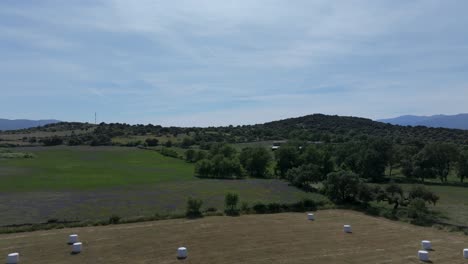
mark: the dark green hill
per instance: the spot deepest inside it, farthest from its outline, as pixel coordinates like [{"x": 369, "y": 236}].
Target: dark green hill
[{"x": 316, "y": 127}]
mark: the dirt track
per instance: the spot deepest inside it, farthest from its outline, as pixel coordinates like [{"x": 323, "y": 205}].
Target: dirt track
[{"x": 279, "y": 238}]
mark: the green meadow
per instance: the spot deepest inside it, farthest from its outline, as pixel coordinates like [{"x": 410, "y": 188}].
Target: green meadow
[
  {"x": 85, "y": 168},
  {"x": 93, "y": 183}
]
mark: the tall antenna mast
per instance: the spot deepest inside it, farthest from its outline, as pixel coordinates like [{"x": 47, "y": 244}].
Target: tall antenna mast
[{"x": 95, "y": 118}]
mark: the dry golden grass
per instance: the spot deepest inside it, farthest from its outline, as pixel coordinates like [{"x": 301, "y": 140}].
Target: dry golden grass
[{"x": 279, "y": 238}]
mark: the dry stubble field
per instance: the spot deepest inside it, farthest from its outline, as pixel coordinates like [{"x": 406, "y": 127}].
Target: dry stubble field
[{"x": 278, "y": 238}]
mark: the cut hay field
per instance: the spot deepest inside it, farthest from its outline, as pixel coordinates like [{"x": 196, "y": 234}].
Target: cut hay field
[
  {"x": 250, "y": 239},
  {"x": 93, "y": 183}
]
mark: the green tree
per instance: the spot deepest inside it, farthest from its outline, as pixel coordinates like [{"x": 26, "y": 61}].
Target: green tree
[
  {"x": 52, "y": 141},
  {"x": 393, "y": 194},
  {"x": 374, "y": 159},
  {"x": 222, "y": 149},
  {"x": 168, "y": 144},
  {"x": 224, "y": 167},
  {"x": 190, "y": 155},
  {"x": 421, "y": 192},
  {"x": 342, "y": 186},
  {"x": 320, "y": 158},
  {"x": 193, "y": 208},
  {"x": 204, "y": 168},
  {"x": 187, "y": 142},
  {"x": 287, "y": 157},
  {"x": 437, "y": 158},
  {"x": 255, "y": 161},
  {"x": 152, "y": 142},
  {"x": 394, "y": 157},
  {"x": 304, "y": 176},
  {"x": 462, "y": 166},
  {"x": 230, "y": 202}
]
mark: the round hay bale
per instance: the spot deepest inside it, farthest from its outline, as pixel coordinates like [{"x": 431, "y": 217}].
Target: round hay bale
[
  {"x": 72, "y": 239},
  {"x": 426, "y": 244},
  {"x": 76, "y": 247},
  {"x": 310, "y": 216},
  {"x": 423, "y": 255},
  {"x": 465, "y": 253},
  {"x": 12, "y": 258},
  {"x": 347, "y": 229},
  {"x": 182, "y": 253}
]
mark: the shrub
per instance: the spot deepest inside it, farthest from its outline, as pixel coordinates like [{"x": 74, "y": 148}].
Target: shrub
[
  {"x": 211, "y": 209},
  {"x": 230, "y": 202},
  {"x": 152, "y": 142},
  {"x": 114, "y": 219},
  {"x": 418, "y": 211},
  {"x": 245, "y": 207},
  {"x": 274, "y": 208},
  {"x": 260, "y": 208},
  {"x": 169, "y": 153},
  {"x": 193, "y": 208},
  {"x": 52, "y": 141}
]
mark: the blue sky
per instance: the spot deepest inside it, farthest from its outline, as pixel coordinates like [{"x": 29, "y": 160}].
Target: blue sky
[{"x": 200, "y": 63}]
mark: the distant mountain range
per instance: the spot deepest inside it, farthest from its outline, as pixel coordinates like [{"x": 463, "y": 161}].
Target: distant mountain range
[
  {"x": 7, "y": 124},
  {"x": 459, "y": 121}
]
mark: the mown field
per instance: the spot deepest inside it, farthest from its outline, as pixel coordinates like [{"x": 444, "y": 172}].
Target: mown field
[
  {"x": 250, "y": 239},
  {"x": 93, "y": 183}
]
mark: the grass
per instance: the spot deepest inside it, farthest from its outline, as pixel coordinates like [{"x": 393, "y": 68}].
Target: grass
[
  {"x": 453, "y": 203},
  {"x": 278, "y": 238},
  {"x": 93, "y": 183},
  {"x": 86, "y": 168}
]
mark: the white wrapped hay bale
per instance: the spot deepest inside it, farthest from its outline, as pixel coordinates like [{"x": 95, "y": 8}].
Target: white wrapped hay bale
[
  {"x": 182, "y": 253},
  {"x": 76, "y": 247},
  {"x": 310, "y": 216},
  {"x": 72, "y": 239},
  {"x": 347, "y": 229},
  {"x": 12, "y": 258},
  {"x": 426, "y": 245},
  {"x": 465, "y": 253},
  {"x": 423, "y": 255}
]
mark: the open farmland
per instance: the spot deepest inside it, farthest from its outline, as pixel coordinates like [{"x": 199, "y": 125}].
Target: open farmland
[
  {"x": 453, "y": 203},
  {"x": 90, "y": 183},
  {"x": 279, "y": 238}
]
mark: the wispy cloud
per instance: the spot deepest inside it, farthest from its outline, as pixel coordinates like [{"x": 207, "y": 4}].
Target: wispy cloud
[{"x": 233, "y": 62}]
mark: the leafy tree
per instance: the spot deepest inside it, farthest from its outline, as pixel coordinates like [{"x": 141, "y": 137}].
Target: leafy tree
[
  {"x": 365, "y": 193},
  {"x": 52, "y": 141},
  {"x": 204, "y": 168},
  {"x": 199, "y": 155},
  {"x": 393, "y": 194},
  {"x": 304, "y": 175},
  {"x": 437, "y": 158},
  {"x": 287, "y": 157},
  {"x": 222, "y": 149},
  {"x": 255, "y": 161},
  {"x": 418, "y": 210},
  {"x": 394, "y": 157},
  {"x": 421, "y": 192},
  {"x": 320, "y": 158},
  {"x": 226, "y": 167},
  {"x": 152, "y": 142},
  {"x": 230, "y": 201},
  {"x": 374, "y": 159},
  {"x": 190, "y": 155},
  {"x": 462, "y": 166},
  {"x": 168, "y": 144},
  {"x": 193, "y": 208},
  {"x": 342, "y": 186},
  {"x": 187, "y": 142}
]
